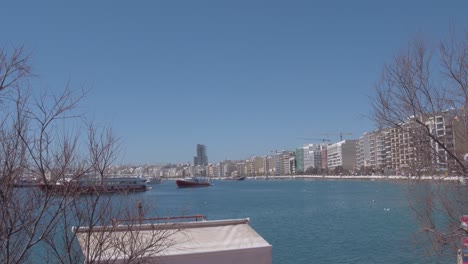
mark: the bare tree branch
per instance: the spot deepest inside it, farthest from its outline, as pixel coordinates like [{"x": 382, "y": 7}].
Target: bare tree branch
[
  {"x": 40, "y": 139},
  {"x": 422, "y": 96}
]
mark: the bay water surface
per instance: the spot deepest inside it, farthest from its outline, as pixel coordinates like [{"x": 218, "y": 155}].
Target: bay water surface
[{"x": 309, "y": 221}]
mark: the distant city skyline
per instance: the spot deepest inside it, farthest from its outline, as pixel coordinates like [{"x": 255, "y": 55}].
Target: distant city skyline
[{"x": 243, "y": 77}]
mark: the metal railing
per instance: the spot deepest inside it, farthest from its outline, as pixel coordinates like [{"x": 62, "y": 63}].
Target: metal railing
[{"x": 166, "y": 219}]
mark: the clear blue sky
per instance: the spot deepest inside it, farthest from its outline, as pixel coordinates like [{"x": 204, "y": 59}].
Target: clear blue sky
[{"x": 241, "y": 77}]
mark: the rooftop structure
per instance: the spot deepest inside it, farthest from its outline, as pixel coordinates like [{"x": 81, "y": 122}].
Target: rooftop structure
[{"x": 199, "y": 242}]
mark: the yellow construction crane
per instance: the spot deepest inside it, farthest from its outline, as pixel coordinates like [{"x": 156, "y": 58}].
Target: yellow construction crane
[{"x": 341, "y": 134}]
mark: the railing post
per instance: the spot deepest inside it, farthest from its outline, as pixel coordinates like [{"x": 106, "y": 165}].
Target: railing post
[{"x": 140, "y": 212}]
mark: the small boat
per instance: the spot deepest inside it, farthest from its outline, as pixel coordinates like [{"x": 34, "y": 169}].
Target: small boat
[
  {"x": 154, "y": 180},
  {"x": 237, "y": 178},
  {"x": 193, "y": 182},
  {"x": 24, "y": 182},
  {"x": 91, "y": 185}
]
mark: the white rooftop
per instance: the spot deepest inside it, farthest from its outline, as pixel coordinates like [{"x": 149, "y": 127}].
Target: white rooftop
[{"x": 203, "y": 242}]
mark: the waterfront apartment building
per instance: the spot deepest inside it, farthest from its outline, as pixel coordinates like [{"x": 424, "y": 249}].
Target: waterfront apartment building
[
  {"x": 363, "y": 151},
  {"x": 300, "y": 160},
  {"x": 241, "y": 169},
  {"x": 460, "y": 137},
  {"x": 284, "y": 163},
  {"x": 292, "y": 164},
  {"x": 270, "y": 168},
  {"x": 373, "y": 150},
  {"x": 412, "y": 149},
  {"x": 324, "y": 158},
  {"x": 218, "y": 169},
  {"x": 384, "y": 151},
  {"x": 314, "y": 156},
  {"x": 309, "y": 156},
  {"x": 258, "y": 166},
  {"x": 446, "y": 128},
  {"x": 199, "y": 170},
  {"x": 249, "y": 169},
  {"x": 228, "y": 168},
  {"x": 221, "y": 169},
  {"x": 255, "y": 166},
  {"x": 408, "y": 148},
  {"x": 277, "y": 162},
  {"x": 342, "y": 154},
  {"x": 444, "y": 133},
  {"x": 211, "y": 170}
]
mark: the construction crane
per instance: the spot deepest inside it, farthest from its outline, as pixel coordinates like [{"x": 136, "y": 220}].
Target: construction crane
[
  {"x": 317, "y": 139},
  {"x": 341, "y": 134}
]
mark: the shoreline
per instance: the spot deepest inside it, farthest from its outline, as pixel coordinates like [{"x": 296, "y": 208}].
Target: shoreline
[
  {"x": 348, "y": 177},
  {"x": 367, "y": 177}
]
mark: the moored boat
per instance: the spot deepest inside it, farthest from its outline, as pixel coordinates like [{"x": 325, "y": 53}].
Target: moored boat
[
  {"x": 23, "y": 182},
  {"x": 97, "y": 185},
  {"x": 236, "y": 178},
  {"x": 154, "y": 180},
  {"x": 193, "y": 182}
]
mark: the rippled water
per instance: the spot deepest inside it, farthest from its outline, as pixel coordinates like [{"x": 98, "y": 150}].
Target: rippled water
[{"x": 309, "y": 221}]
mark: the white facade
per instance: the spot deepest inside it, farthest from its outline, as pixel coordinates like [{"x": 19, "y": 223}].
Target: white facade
[
  {"x": 313, "y": 155},
  {"x": 284, "y": 163},
  {"x": 363, "y": 151},
  {"x": 342, "y": 154}
]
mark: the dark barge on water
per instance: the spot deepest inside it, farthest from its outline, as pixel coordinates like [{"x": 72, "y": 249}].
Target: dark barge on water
[
  {"x": 193, "y": 182},
  {"x": 90, "y": 185}
]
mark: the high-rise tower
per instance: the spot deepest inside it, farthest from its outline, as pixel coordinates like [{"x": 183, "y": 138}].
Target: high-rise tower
[{"x": 201, "y": 159}]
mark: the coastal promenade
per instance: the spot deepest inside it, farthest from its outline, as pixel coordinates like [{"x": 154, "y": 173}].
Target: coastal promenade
[
  {"x": 358, "y": 177},
  {"x": 349, "y": 177}
]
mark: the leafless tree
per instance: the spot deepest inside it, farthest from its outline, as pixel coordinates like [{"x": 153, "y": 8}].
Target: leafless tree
[
  {"x": 129, "y": 240},
  {"x": 103, "y": 149},
  {"x": 110, "y": 229},
  {"x": 40, "y": 138},
  {"x": 417, "y": 88},
  {"x": 13, "y": 68}
]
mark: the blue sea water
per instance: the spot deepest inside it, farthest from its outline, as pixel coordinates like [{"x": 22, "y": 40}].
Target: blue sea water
[{"x": 309, "y": 221}]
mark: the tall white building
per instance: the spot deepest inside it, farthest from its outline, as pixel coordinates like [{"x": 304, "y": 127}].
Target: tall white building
[
  {"x": 284, "y": 163},
  {"x": 313, "y": 155},
  {"x": 363, "y": 150},
  {"x": 342, "y": 154},
  {"x": 219, "y": 171}
]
